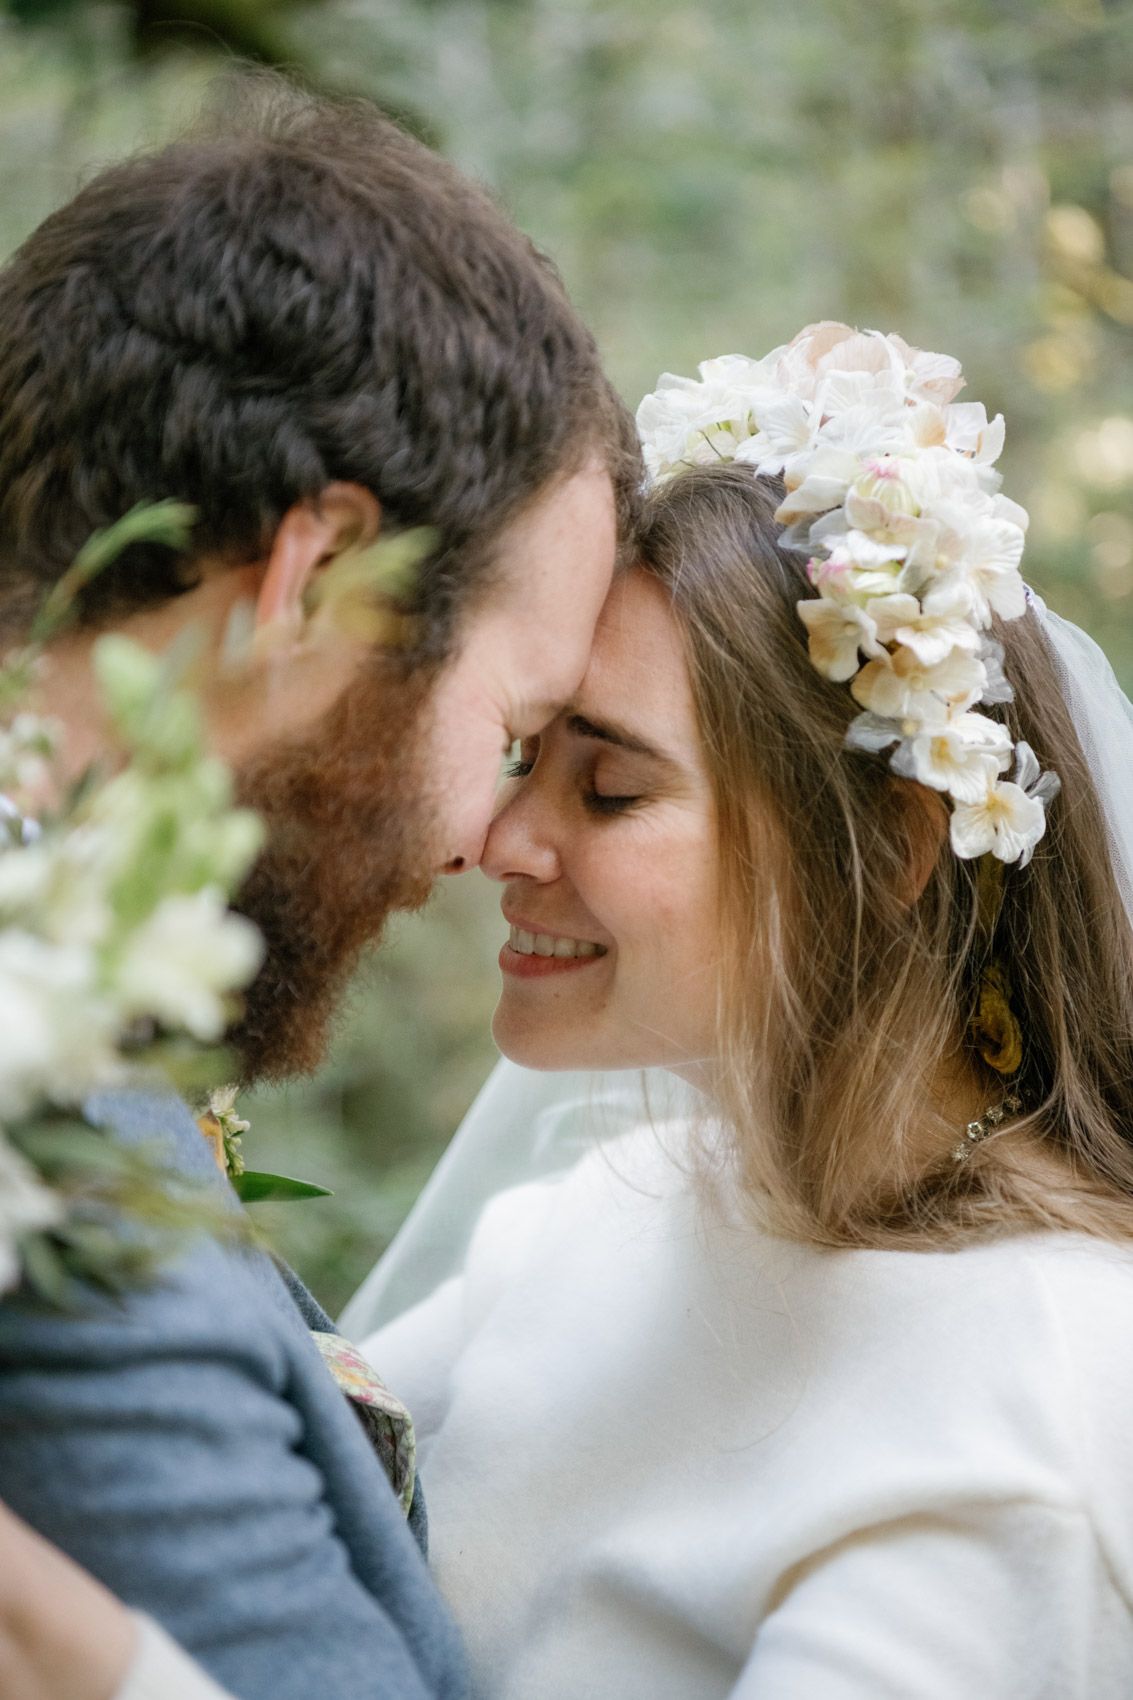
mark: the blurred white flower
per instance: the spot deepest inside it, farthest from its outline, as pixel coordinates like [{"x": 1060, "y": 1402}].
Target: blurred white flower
[
  {"x": 26, "y": 748},
  {"x": 58, "y": 1032},
  {"x": 56, "y": 886},
  {"x": 112, "y": 908},
  {"x": 26, "y": 1207},
  {"x": 183, "y": 964}
]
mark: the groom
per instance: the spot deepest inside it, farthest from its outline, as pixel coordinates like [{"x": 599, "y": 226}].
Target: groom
[{"x": 310, "y": 327}]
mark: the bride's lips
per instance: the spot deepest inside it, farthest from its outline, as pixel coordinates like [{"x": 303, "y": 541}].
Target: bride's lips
[{"x": 532, "y": 953}]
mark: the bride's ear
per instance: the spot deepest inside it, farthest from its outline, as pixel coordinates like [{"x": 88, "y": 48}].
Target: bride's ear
[
  {"x": 925, "y": 816},
  {"x": 310, "y": 535}
]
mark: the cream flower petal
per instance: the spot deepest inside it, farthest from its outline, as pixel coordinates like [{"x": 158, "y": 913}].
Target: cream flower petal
[
  {"x": 930, "y": 377},
  {"x": 182, "y": 964},
  {"x": 901, "y": 687},
  {"x": 836, "y": 633},
  {"x": 831, "y": 473},
  {"x": 971, "y": 433},
  {"x": 785, "y": 429},
  {"x": 931, "y": 631},
  {"x": 890, "y": 613},
  {"x": 962, "y": 757},
  {"x": 1005, "y": 822}
]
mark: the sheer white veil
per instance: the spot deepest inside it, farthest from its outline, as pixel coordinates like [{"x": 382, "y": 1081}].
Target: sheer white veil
[
  {"x": 1103, "y": 718},
  {"x": 527, "y": 1126},
  {"x": 523, "y": 1126}
]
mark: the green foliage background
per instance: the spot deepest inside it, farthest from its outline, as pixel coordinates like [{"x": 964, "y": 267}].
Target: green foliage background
[{"x": 708, "y": 178}]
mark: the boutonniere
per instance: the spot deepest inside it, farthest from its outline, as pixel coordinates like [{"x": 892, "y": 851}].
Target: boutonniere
[{"x": 225, "y": 1130}]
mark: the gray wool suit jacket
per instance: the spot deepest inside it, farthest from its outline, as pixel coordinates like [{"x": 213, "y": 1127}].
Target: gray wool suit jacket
[{"x": 189, "y": 1447}]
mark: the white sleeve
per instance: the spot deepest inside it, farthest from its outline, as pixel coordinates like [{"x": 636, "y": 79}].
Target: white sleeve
[
  {"x": 161, "y": 1670},
  {"x": 1009, "y": 1601}
]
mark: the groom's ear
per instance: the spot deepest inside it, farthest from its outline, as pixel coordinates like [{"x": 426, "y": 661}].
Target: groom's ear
[{"x": 310, "y": 535}]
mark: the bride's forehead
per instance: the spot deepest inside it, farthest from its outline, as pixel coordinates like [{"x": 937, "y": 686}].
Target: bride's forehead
[
  {"x": 637, "y": 618},
  {"x": 638, "y": 665}
]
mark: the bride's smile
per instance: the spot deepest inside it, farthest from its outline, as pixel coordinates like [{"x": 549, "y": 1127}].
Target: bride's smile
[{"x": 605, "y": 844}]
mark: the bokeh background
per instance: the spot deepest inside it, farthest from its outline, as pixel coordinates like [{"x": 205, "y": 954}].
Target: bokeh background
[{"x": 709, "y": 178}]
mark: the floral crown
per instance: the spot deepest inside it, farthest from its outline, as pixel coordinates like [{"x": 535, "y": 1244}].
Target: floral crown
[{"x": 892, "y": 489}]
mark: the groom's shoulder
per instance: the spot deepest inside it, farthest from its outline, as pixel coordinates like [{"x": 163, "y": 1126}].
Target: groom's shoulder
[
  {"x": 161, "y": 1121},
  {"x": 210, "y": 1302},
  {"x": 186, "y": 1444}
]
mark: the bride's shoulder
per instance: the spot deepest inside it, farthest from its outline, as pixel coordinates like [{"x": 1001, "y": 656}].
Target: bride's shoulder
[
  {"x": 1033, "y": 1328},
  {"x": 1049, "y": 1283},
  {"x": 1085, "y": 1284}
]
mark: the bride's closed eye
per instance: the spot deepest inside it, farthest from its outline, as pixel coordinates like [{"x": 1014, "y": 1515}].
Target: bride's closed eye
[{"x": 597, "y": 802}]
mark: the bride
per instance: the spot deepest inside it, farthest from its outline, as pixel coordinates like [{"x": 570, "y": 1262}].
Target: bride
[
  {"x": 820, "y": 1384},
  {"x": 807, "y": 1373}
]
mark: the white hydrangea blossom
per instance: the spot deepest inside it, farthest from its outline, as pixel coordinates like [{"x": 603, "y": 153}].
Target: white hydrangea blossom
[{"x": 891, "y": 485}]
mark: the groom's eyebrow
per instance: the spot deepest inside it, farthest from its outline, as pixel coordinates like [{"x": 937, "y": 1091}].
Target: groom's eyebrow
[{"x": 610, "y": 733}]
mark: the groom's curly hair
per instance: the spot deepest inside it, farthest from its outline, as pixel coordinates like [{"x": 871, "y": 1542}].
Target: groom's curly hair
[{"x": 295, "y": 292}]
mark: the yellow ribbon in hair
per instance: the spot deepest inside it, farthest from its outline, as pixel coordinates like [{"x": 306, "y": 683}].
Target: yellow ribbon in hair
[{"x": 996, "y": 1031}]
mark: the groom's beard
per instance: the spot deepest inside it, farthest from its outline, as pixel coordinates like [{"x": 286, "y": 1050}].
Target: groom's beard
[{"x": 350, "y": 840}]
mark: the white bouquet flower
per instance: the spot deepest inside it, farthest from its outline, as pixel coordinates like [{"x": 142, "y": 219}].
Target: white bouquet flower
[
  {"x": 119, "y": 958},
  {"x": 121, "y": 962}
]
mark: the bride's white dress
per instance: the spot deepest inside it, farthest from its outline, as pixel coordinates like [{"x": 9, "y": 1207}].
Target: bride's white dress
[{"x": 670, "y": 1457}]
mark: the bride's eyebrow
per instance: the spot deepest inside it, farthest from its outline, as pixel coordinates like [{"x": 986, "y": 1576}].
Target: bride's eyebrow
[{"x": 610, "y": 733}]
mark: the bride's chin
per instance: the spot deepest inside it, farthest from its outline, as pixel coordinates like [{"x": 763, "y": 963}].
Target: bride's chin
[
  {"x": 535, "y": 1044},
  {"x": 519, "y": 1043}
]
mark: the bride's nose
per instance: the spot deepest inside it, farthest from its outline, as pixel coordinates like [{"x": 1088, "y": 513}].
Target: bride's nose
[{"x": 521, "y": 841}]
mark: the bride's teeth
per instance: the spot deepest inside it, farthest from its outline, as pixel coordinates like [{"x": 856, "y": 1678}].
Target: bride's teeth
[{"x": 543, "y": 944}]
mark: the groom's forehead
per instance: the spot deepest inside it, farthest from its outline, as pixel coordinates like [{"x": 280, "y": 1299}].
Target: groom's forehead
[{"x": 553, "y": 571}]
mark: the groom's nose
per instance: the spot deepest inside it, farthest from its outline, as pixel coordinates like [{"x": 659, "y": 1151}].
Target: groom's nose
[{"x": 464, "y": 847}]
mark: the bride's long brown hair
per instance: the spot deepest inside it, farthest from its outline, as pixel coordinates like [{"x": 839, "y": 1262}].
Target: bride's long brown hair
[{"x": 843, "y": 995}]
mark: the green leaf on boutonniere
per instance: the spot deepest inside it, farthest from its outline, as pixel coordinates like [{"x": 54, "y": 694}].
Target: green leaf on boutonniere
[{"x": 254, "y": 1187}]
